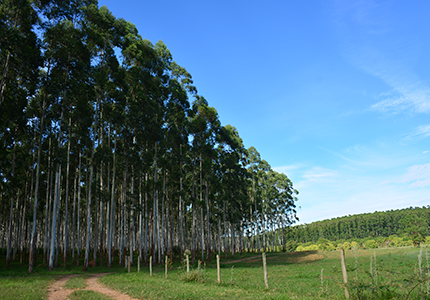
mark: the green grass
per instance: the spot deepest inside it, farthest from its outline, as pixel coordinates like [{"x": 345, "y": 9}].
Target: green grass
[
  {"x": 291, "y": 276},
  {"x": 87, "y": 295},
  {"x": 77, "y": 282},
  {"x": 24, "y": 287}
]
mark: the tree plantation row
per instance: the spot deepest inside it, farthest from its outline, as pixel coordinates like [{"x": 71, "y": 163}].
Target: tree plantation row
[
  {"x": 102, "y": 153},
  {"x": 413, "y": 222}
]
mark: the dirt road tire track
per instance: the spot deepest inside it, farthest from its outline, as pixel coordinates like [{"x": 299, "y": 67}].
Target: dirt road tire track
[{"x": 57, "y": 291}]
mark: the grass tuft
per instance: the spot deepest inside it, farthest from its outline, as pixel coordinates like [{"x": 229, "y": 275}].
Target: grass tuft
[
  {"x": 77, "y": 282},
  {"x": 88, "y": 295}
]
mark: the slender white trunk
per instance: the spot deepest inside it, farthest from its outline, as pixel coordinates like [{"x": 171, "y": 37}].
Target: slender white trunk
[
  {"x": 36, "y": 194},
  {"x": 101, "y": 215},
  {"x": 140, "y": 220},
  {"x": 162, "y": 243},
  {"x": 74, "y": 217},
  {"x": 145, "y": 235},
  {"x": 225, "y": 232},
  {"x": 79, "y": 209},
  {"x": 193, "y": 229},
  {"x": 202, "y": 248},
  {"x": 9, "y": 243},
  {"x": 180, "y": 228},
  {"x": 112, "y": 208},
  {"x": 87, "y": 247},
  {"x": 3, "y": 78},
  {"x": 208, "y": 229},
  {"x": 67, "y": 196},
  {"x": 132, "y": 218},
  {"x": 54, "y": 217},
  {"x": 155, "y": 209},
  {"x": 48, "y": 206},
  {"x": 202, "y": 224}
]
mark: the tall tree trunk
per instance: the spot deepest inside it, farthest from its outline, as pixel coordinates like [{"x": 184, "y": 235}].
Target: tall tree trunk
[
  {"x": 36, "y": 193},
  {"x": 132, "y": 217},
  {"x": 54, "y": 217},
  {"x": 3, "y": 78},
  {"x": 123, "y": 193},
  {"x": 9, "y": 242},
  {"x": 112, "y": 205},
  {"x": 67, "y": 195},
  {"x": 145, "y": 235},
  {"x": 193, "y": 229},
  {"x": 225, "y": 232},
  {"x": 87, "y": 247},
  {"x": 202, "y": 225},
  {"x": 208, "y": 229},
  {"x": 101, "y": 215},
  {"x": 79, "y": 209},
  {"x": 74, "y": 215},
  {"x": 155, "y": 209},
  {"x": 180, "y": 227},
  {"x": 140, "y": 220},
  {"x": 162, "y": 242},
  {"x": 48, "y": 208}
]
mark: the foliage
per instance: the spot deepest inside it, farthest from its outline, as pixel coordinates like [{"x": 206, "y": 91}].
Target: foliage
[
  {"x": 103, "y": 136},
  {"x": 412, "y": 221},
  {"x": 415, "y": 227}
]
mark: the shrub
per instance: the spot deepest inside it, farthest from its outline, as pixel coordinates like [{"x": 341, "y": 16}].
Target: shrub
[
  {"x": 370, "y": 244},
  {"x": 291, "y": 246}
]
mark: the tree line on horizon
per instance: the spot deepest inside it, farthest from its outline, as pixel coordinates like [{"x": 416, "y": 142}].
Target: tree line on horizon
[
  {"x": 413, "y": 222},
  {"x": 106, "y": 148}
]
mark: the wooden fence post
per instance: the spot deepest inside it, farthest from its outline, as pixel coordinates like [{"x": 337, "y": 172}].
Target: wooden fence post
[
  {"x": 188, "y": 264},
  {"x": 150, "y": 265},
  {"x": 345, "y": 275},
  {"x": 218, "y": 268},
  {"x": 266, "y": 280},
  {"x": 165, "y": 265}
]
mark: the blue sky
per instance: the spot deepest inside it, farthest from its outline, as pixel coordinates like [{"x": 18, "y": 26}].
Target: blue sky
[{"x": 336, "y": 94}]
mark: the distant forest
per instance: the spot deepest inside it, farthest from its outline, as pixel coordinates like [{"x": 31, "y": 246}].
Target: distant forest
[{"x": 370, "y": 225}]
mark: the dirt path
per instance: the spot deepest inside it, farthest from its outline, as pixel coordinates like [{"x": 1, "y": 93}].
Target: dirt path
[
  {"x": 57, "y": 292},
  {"x": 254, "y": 258}
]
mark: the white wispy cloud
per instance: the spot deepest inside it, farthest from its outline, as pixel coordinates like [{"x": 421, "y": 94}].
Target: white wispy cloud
[
  {"x": 370, "y": 39},
  {"x": 416, "y": 101},
  {"x": 361, "y": 179},
  {"x": 417, "y": 176},
  {"x": 286, "y": 169},
  {"x": 318, "y": 174},
  {"x": 419, "y": 133}
]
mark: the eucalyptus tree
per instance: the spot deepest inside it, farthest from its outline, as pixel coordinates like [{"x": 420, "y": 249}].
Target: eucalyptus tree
[
  {"x": 205, "y": 125},
  {"x": 105, "y": 33},
  {"x": 95, "y": 113},
  {"x": 234, "y": 179},
  {"x": 20, "y": 57}
]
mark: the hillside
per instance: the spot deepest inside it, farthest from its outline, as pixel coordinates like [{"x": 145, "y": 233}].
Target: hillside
[{"x": 377, "y": 224}]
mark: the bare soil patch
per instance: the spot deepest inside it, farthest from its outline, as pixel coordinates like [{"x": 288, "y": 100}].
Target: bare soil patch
[
  {"x": 57, "y": 292},
  {"x": 251, "y": 259},
  {"x": 298, "y": 259}
]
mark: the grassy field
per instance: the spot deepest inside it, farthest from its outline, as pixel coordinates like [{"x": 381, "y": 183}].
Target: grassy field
[
  {"x": 380, "y": 274},
  {"x": 390, "y": 273}
]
